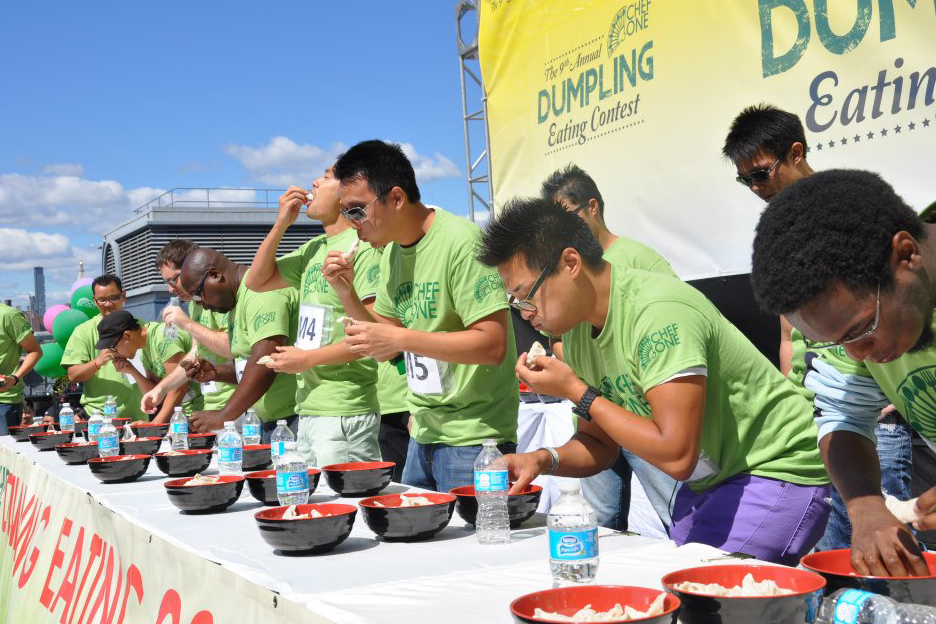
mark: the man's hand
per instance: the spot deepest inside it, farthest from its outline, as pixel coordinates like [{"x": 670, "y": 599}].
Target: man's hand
[
  {"x": 288, "y": 360},
  {"x": 6, "y": 382},
  {"x": 290, "y": 203},
  {"x": 553, "y": 377},
  {"x": 123, "y": 365},
  {"x": 881, "y": 544},
  {"x": 152, "y": 400},
  {"x": 206, "y": 421},
  {"x": 199, "y": 369},
  {"x": 926, "y": 509},
  {"x": 174, "y": 315},
  {"x": 338, "y": 272},
  {"x": 522, "y": 468},
  {"x": 377, "y": 340},
  {"x": 104, "y": 357}
]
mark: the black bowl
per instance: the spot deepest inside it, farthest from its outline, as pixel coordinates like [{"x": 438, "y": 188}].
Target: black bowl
[
  {"x": 569, "y": 600},
  {"x": 308, "y": 536},
  {"x": 48, "y": 441},
  {"x": 520, "y": 507},
  {"x": 359, "y": 478},
  {"x": 201, "y": 440},
  {"x": 189, "y": 464},
  {"x": 697, "y": 608},
  {"x": 73, "y": 453},
  {"x": 140, "y": 446},
  {"x": 256, "y": 457},
  {"x": 395, "y": 523},
  {"x": 150, "y": 430},
  {"x": 119, "y": 468},
  {"x": 205, "y": 498},
  {"x": 21, "y": 433},
  {"x": 262, "y": 485},
  {"x": 835, "y": 567}
]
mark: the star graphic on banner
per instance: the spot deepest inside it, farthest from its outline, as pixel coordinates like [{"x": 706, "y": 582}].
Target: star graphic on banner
[
  {"x": 831, "y": 144},
  {"x": 896, "y": 129},
  {"x": 819, "y": 146},
  {"x": 883, "y": 131},
  {"x": 925, "y": 123},
  {"x": 857, "y": 138},
  {"x": 911, "y": 125},
  {"x": 870, "y": 135},
  {"x": 844, "y": 141}
]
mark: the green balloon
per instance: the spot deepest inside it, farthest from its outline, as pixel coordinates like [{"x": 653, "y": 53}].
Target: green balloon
[
  {"x": 83, "y": 300},
  {"x": 65, "y": 323},
  {"x": 50, "y": 364}
]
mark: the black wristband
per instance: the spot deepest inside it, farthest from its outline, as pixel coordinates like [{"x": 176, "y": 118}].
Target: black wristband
[
  {"x": 584, "y": 404},
  {"x": 16, "y": 377}
]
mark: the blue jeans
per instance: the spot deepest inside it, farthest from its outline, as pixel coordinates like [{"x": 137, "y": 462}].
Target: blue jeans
[
  {"x": 660, "y": 487},
  {"x": 441, "y": 467},
  {"x": 895, "y": 452},
  {"x": 11, "y": 414}
]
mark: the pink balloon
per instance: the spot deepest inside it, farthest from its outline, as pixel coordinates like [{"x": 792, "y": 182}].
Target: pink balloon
[
  {"x": 81, "y": 281},
  {"x": 51, "y": 313}
]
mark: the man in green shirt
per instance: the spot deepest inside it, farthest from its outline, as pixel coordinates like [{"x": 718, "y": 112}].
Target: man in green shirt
[
  {"x": 446, "y": 312},
  {"x": 15, "y": 335},
  {"x": 851, "y": 266},
  {"x": 682, "y": 388},
  {"x": 259, "y": 323}
]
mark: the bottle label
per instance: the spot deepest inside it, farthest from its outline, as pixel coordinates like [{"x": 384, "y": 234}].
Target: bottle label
[
  {"x": 251, "y": 431},
  {"x": 573, "y": 545},
  {"x": 94, "y": 428},
  {"x": 230, "y": 454},
  {"x": 277, "y": 449},
  {"x": 848, "y": 606},
  {"x": 66, "y": 419},
  {"x": 291, "y": 482},
  {"x": 178, "y": 428},
  {"x": 107, "y": 443},
  {"x": 491, "y": 480}
]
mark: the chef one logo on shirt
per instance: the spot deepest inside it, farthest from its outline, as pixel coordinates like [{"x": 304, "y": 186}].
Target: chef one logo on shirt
[
  {"x": 263, "y": 319},
  {"x": 918, "y": 391},
  {"x": 314, "y": 281},
  {"x": 625, "y": 393},
  {"x": 415, "y": 300},
  {"x": 485, "y": 285},
  {"x": 373, "y": 273},
  {"x": 656, "y": 343}
]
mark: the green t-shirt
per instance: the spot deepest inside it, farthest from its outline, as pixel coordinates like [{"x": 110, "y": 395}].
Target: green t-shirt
[
  {"x": 755, "y": 421},
  {"x": 157, "y": 351},
  {"x": 257, "y": 316},
  {"x": 578, "y": 351},
  {"x": 348, "y": 389},
  {"x": 80, "y": 350},
  {"x": 391, "y": 389},
  {"x": 437, "y": 285},
  {"x": 14, "y": 329},
  {"x": 835, "y": 356},
  {"x": 216, "y": 321}
]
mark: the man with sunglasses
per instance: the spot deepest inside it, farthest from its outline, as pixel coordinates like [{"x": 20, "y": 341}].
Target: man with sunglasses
[
  {"x": 436, "y": 304},
  {"x": 681, "y": 387},
  {"x": 844, "y": 258},
  {"x": 760, "y": 135}
]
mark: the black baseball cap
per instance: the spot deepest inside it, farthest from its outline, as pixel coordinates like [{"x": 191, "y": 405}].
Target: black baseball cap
[{"x": 113, "y": 327}]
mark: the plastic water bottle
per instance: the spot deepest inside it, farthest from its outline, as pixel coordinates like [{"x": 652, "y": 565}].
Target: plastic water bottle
[
  {"x": 110, "y": 407},
  {"x": 178, "y": 430},
  {"x": 95, "y": 422},
  {"x": 292, "y": 477},
  {"x": 108, "y": 442},
  {"x": 250, "y": 428},
  {"x": 856, "y": 606},
  {"x": 281, "y": 435},
  {"x": 491, "y": 485},
  {"x": 66, "y": 418},
  {"x": 573, "y": 537},
  {"x": 230, "y": 450},
  {"x": 170, "y": 332}
]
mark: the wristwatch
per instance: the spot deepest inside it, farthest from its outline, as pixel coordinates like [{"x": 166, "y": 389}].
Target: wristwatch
[
  {"x": 584, "y": 404},
  {"x": 14, "y": 377}
]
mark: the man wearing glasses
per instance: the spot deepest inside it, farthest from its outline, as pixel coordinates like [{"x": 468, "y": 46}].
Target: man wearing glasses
[
  {"x": 337, "y": 390},
  {"x": 438, "y": 306},
  {"x": 764, "y": 134},
  {"x": 850, "y": 265},
  {"x": 681, "y": 387}
]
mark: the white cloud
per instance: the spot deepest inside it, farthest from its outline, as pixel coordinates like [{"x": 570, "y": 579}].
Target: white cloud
[
  {"x": 430, "y": 168},
  {"x": 64, "y": 169}
]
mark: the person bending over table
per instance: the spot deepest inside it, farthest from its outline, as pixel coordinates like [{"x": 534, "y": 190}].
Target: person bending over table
[
  {"x": 682, "y": 388},
  {"x": 15, "y": 335}
]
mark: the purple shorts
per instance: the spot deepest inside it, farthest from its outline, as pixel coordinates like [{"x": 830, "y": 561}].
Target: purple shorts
[{"x": 772, "y": 520}]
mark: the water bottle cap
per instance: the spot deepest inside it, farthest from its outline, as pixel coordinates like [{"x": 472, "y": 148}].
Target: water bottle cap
[
  {"x": 280, "y": 423},
  {"x": 229, "y": 424},
  {"x": 490, "y": 442},
  {"x": 571, "y": 485}
]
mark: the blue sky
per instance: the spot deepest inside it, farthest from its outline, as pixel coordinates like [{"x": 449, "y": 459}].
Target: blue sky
[{"x": 106, "y": 104}]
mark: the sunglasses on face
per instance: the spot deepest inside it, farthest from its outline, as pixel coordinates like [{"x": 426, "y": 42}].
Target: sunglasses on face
[
  {"x": 359, "y": 213},
  {"x": 197, "y": 293},
  {"x": 757, "y": 176}
]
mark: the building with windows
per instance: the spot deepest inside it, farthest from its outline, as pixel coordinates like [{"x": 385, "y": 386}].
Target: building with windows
[{"x": 39, "y": 284}]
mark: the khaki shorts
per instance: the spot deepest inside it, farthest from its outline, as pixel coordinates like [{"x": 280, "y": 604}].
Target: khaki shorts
[{"x": 325, "y": 440}]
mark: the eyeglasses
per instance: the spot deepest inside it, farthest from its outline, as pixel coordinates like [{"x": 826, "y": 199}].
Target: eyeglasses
[
  {"x": 106, "y": 300},
  {"x": 357, "y": 213},
  {"x": 525, "y": 305},
  {"x": 758, "y": 175},
  {"x": 174, "y": 280},
  {"x": 197, "y": 293},
  {"x": 852, "y": 339}
]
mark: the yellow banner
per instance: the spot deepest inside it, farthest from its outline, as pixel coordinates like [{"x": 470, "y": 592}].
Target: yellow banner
[{"x": 641, "y": 95}]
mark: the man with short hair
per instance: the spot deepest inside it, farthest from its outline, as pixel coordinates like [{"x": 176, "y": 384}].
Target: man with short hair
[
  {"x": 608, "y": 492},
  {"x": 844, "y": 258},
  {"x": 762, "y": 135},
  {"x": 682, "y": 388},
  {"x": 446, "y": 312},
  {"x": 15, "y": 336}
]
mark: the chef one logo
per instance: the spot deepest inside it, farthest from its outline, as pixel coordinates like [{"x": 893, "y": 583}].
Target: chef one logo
[
  {"x": 85, "y": 302},
  {"x": 314, "y": 281},
  {"x": 485, "y": 285},
  {"x": 263, "y": 319},
  {"x": 373, "y": 273},
  {"x": 918, "y": 391}
]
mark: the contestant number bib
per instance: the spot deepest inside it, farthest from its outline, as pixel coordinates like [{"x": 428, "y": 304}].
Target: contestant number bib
[
  {"x": 209, "y": 387},
  {"x": 311, "y": 326},
  {"x": 422, "y": 374},
  {"x": 239, "y": 366}
]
